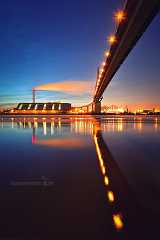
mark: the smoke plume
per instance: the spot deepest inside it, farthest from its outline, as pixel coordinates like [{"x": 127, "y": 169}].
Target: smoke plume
[{"x": 69, "y": 87}]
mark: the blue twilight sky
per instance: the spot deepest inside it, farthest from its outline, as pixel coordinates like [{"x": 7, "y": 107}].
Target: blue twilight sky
[{"x": 58, "y": 41}]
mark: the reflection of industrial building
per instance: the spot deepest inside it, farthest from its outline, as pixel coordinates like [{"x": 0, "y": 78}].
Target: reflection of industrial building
[{"x": 51, "y": 107}]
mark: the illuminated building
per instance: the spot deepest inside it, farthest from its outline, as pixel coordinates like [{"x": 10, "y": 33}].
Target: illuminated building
[
  {"x": 145, "y": 111},
  {"x": 42, "y": 108},
  {"x": 114, "y": 109}
]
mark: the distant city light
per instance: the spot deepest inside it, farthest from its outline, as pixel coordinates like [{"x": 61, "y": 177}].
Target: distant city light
[{"x": 112, "y": 39}]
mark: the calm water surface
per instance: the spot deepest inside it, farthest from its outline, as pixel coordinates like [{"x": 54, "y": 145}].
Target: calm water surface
[{"x": 84, "y": 177}]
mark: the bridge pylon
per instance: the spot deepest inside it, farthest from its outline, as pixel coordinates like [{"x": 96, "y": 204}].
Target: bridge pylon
[{"x": 96, "y": 106}]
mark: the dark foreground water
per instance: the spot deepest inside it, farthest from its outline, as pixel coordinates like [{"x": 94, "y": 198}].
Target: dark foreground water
[{"x": 68, "y": 177}]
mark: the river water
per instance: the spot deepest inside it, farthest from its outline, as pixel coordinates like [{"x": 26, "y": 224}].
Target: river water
[{"x": 79, "y": 177}]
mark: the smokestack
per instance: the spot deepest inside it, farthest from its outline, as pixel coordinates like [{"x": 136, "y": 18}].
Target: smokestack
[{"x": 33, "y": 95}]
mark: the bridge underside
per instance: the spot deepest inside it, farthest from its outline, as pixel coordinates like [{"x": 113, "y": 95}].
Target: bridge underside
[
  {"x": 92, "y": 108},
  {"x": 139, "y": 14}
]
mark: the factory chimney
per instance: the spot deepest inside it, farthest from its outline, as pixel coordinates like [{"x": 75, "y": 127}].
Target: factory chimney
[{"x": 33, "y": 95}]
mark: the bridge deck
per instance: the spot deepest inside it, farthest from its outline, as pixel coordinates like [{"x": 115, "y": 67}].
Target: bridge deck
[{"x": 139, "y": 16}]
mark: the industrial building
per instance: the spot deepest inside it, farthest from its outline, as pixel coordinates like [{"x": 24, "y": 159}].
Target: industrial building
[{"x": 42, "y": 108}]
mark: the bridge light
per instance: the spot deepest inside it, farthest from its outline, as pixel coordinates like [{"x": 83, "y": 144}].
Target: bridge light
[
  {"x": 119, "y": 16},
  {"x": 112, "y": 39},
  {"x": 104, "y": 63},
  {"x": 107, "y": 53},
  {"x": 101, "y": 70}
]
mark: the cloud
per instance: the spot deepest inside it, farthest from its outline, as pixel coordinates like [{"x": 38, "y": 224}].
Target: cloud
[{"x": 68, "y": 87}]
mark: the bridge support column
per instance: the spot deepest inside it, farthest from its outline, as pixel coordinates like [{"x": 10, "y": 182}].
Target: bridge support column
[{"x": 96, "y": 107}]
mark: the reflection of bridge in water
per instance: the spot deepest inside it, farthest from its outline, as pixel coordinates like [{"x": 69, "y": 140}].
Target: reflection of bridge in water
[{"x": 128, "y": 216}]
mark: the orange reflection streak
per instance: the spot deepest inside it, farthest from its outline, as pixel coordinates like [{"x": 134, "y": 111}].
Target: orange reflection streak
[
  {"x": 117, "y": 219},
  {"x": 156, "y": 123},
  {"x": 59, "y": 122},
  {"x": 98, "y": 150},
  {"x": 103, "y": 170},
  {"x": 64, "y": 143},
  {"x": 99, "y": 156},
  {"x": 110, "y": 196},
  {"x": 44, "y": 128},
  {"x": 29, "y": 125},
  {"x": 52, "y": 128},
  {"x": 120, "y": 125},
  {"x": 12, "y": 122},
  {"x": 35, "y": 124},
  {"x": 106, "y": 180},
  {"x": 139, "y": 124}
]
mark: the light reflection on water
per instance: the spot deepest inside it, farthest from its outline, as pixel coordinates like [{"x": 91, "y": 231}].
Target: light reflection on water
[{"x": 84, "y": 138}]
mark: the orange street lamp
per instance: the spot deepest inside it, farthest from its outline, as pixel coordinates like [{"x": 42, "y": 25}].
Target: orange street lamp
[
  {"x": 107, "y": 53},
  {"x": 119, "y": 16},
  {"x": 112, "y": 39},
  {"x": 104, "y": 63}
]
